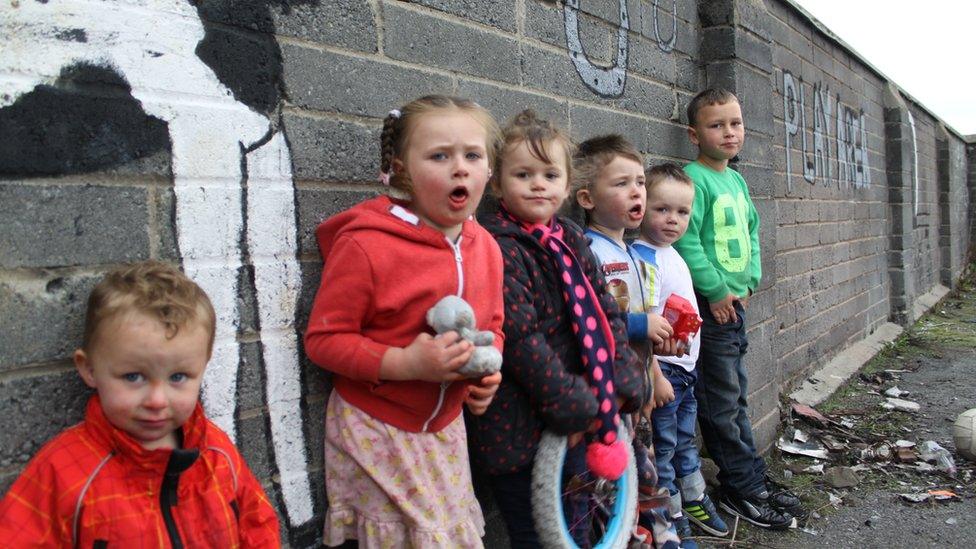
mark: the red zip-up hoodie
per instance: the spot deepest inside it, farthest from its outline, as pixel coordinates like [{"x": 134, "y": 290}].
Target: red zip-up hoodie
[
  {"x": 94, "y": 486},
  {"x": 384, "y": 268}
]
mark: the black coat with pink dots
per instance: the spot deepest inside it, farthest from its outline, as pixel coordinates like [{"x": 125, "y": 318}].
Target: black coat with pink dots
[{"x": 543, "y": 386}]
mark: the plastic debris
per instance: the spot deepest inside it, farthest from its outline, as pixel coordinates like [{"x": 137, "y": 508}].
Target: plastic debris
[
  {"x": 800, "y": 436},
  {"x": 808, "y": 412},
  {"x": 810, "y": 531},
  {"x": 832, "y": 443},
  {"x": 810, "y": 449},
  {"x": 881, "y": 452},
  {"x": 905, "y": 454},
  {"x": 895, "y": 392},
  {"x": 904, "y": 443},
  {"x": 943, "y": 494},
  {"x": 931, "y": 451},
  {"x": 900, "y": 405},
  {"x": 841, "y": 477},
  {"x": 815, "y": 469},
  {"x": 835, "y": 500},
  {"x": 951, "y": 521},
  {"x": 915, "y": 498}
]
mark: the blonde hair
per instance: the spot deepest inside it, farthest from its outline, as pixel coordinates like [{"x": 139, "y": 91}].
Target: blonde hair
[
  {"x": 157, "y": 289},
  {"x": 711, "y": 96},
  {"x": 595, "y": 153},
  {"x": 538, "y": 134},
  {"x": 663, "y": 172},
  {"x": 398, "y": 124}
]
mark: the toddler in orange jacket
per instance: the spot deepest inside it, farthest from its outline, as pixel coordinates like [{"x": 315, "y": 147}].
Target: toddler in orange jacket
[{"x": 145, "y": 468}]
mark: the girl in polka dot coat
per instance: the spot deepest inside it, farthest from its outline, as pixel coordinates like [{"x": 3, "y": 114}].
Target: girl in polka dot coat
[{"x": 543, "y": 377}]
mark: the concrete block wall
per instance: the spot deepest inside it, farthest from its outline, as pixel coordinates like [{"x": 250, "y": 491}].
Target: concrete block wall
[
  {"x": 831, "y": 267},
  {"x": 226, "y": 136}
]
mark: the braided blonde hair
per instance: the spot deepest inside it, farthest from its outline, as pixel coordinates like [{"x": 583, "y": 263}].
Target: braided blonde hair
[{"x": 398, "y": 124}]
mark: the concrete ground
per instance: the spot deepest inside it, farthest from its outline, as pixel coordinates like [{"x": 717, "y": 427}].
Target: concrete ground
[{"x": 935, "y": 361}]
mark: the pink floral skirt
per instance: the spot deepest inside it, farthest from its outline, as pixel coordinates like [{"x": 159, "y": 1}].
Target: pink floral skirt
[{"x": 393, "y": 488}]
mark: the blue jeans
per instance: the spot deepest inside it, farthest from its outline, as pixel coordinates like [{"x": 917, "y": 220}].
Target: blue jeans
[
  {"x": 723, "y": 414},
  {"x": 678, "y": 464}
]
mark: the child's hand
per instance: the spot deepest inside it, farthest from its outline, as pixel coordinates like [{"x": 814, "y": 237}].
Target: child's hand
[
  {"x": 481, "y": 394},
  {"x": 724, "y": 311},
  {"x": 663, "y": 391},
  {"x": 670, "y": 347},
  {"x": 573, "y": 439},
  {"x": 658, "y": 328},
  {"x": 428, "y": 358}
]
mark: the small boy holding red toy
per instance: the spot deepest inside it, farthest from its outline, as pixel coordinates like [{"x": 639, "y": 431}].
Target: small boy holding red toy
[{"x": 670, "y": 194}]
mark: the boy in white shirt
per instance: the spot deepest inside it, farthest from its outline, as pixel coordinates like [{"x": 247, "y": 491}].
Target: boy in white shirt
[{"x": 670, "y": 194}]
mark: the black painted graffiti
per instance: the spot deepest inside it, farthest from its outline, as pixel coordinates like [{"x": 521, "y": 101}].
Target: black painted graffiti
[
  {"x": 85, "y": 120},
  {"x": 850, "y": 137}
]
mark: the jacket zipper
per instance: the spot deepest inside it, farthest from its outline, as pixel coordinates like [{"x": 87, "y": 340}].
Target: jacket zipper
[
  {"x": 457, "y": 262},
  {"x": 444, "y": 384},
  {"x": 179, "y": 460},
  {"x": 167, "y": 500}
]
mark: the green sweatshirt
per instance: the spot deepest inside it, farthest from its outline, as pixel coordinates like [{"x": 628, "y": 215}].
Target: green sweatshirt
[{"x": 721, "y": 245}]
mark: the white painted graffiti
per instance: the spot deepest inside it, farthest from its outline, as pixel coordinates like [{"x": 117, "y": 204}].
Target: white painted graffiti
[
  {"x": 611, "y": 81},
  {"x": 666, "y": 45},
  {"x": 608, "y": 81},
  {"x": 850, "y": 138},
  {"x": 231, "y": 174},
  {"x": 911, "y": 124}
]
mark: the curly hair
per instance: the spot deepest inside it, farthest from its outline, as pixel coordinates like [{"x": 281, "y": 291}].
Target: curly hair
[
  {"x": 157, "y": 289},
  {"x": 398, "y": 124},
  {"x": 540, "y": 135}
]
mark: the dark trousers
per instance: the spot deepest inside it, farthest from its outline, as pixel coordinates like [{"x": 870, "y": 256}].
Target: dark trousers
[
  {"x": 723, "y": 414},
  {"x": 513, "y": 495}
]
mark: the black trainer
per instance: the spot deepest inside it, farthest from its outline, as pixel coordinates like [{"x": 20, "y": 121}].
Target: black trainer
[
  {"x": 783, "y": 499},
  {"x": 758, "y": 510}
]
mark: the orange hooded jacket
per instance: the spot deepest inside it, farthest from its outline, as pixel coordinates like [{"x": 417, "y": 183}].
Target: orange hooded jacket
[{"x": 93, "y": 486}]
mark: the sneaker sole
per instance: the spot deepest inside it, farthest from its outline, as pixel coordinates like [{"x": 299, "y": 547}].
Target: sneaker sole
[
  {"x": 706, "y": 528},
  {"x": 797, "y": 511},
  {"x": 730, "y": 509}
]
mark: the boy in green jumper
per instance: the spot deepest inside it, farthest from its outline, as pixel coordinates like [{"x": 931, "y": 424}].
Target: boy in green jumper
[{"x": 721, "y": 248}]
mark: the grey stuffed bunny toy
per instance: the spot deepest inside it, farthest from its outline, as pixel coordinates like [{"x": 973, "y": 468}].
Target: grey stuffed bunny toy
[{"x": 454, "y": 313}]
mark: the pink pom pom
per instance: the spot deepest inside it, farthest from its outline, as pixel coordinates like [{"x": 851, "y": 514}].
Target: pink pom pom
[{"x": 606, "y": 460}]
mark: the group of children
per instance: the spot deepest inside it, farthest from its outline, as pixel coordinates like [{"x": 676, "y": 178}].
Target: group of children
[{"x": 577, "y": 315}]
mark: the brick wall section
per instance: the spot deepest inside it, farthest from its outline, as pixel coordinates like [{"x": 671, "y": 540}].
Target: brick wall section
[
  {"x": 899, "y": 147},
  {"x": 926, "y": 252},
  {"x": 954, "y": 208},
  {"x": 831, "y": 282},
  {"x": 736, "y": 53},
  {"x": 971, "y": 183},
  {"x": 840, "y": 255}
]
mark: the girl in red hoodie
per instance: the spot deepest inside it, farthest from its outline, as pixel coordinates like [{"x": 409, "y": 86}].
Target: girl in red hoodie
[{"x": 396, "y": 463}]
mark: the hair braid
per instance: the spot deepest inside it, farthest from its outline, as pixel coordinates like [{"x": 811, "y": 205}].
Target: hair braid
[{"x": 388, "y": 140}]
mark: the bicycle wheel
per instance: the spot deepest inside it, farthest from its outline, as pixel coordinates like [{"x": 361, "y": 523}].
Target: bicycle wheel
[{"x": 566, "y": 504}]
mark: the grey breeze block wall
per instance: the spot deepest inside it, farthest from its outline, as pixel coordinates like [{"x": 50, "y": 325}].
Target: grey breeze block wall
[{"x": 219, "y": 134}]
